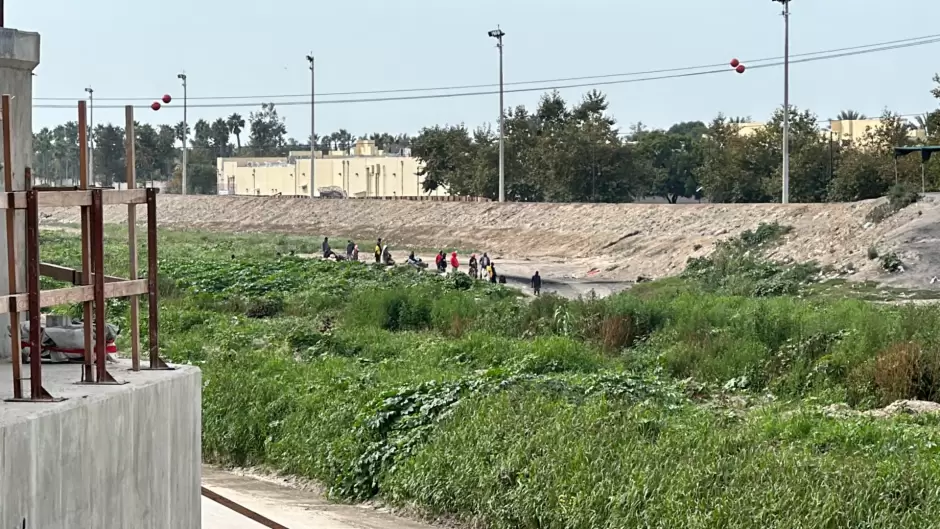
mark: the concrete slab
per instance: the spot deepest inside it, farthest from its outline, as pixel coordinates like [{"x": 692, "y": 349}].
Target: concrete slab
[
  {"x": 296, "y": 509},
  {"x": 108, "y": 457}
]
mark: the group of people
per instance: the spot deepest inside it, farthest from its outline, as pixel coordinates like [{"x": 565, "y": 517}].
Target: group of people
[
  {"x": 484, "y": 268},
  {"x": 382, "y": 254}
]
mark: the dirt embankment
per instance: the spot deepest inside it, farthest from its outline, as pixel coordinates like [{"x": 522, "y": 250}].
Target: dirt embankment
[{"x": 621, "y": 240}]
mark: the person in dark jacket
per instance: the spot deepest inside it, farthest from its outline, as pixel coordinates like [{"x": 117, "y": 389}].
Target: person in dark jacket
[
  {"x": 326, "y": 247},
  {"x": 536, "y": 283},
  {"x": 492, "y": 272},
  {"x": 350, "y": 246}
]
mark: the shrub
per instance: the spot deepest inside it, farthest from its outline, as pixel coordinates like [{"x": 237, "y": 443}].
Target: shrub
[
  {"x": 890, "y": 262},
  {"x": 265, "y": 307}
]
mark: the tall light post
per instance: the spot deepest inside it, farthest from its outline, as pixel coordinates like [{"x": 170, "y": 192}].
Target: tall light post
[
  {"x": 185, "y": 181},
  {"x": 786, "y": 100},
  {"x": 313, "y": 128},
  {"x": 91, "y": 141},
  {"x": 498, "y": 34}
]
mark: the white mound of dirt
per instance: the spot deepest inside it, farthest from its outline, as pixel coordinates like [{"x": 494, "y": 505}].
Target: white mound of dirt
[{"x": 620, "y": 240}]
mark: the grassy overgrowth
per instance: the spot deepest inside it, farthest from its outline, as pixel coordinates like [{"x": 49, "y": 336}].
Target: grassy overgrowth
[{"x": 692, "y": 402}]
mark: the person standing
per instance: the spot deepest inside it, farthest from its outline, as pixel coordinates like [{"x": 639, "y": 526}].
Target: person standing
[
  {"x": 492, "y": 269},
  {"x": 326, "y": 247},
  {"x": 349, "y": 249},
  {"x": 485, "y": 262},
  {"x": 536, "y": 283},
  {"x": 454, "y": 263},
  {"x": 378, "y": 251}
]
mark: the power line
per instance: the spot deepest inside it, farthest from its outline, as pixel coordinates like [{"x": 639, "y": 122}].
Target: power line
[
  {"x": 682, "y": 74},
  {"x": 518, "y": 83},
  {"x": 910, "y": 40}
]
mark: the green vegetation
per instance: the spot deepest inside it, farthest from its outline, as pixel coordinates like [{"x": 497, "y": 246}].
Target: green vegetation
[{"x": 694, "y": 402}]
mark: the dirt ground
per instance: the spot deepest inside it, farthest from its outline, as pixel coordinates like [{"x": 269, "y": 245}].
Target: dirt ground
[{"x": 589, "y": 242}]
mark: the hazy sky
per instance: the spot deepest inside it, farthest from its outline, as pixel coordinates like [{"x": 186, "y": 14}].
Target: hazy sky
[{"x": 128, "y": 49}]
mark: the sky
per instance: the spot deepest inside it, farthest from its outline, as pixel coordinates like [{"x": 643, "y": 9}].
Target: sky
[{"x": 128, "y": 50}]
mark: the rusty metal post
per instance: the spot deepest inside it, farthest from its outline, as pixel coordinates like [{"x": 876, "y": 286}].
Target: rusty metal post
[
  {"x": 97, "y": 260},
  {"x": 6, "y": 120},
  {"x": 152, "y": 293},
  {"x": 88, "y": 376},
  {"x": 130, "y": 158},
  {"x": 36, "y": 391}
]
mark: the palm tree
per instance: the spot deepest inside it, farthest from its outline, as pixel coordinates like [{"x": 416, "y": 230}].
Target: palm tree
[
  {"x": 236, "y": 124},
  {"x": 850, "y": 115}
]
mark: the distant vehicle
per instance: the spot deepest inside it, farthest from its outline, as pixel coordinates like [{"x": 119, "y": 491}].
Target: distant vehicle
[{"x": 332, "y": 192}]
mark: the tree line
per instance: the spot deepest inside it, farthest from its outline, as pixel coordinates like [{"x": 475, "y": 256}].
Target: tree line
[
  {"x": 576, "y": 153},
  {"x": 158, "y": 148},
  {"x": 557, "y": 152}
]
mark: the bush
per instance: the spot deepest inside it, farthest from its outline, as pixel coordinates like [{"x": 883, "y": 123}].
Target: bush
[{"x": 265, "y": 307}]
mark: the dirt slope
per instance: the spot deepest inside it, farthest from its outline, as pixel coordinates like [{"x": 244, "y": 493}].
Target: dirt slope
[{"x": 623, "y": 240}]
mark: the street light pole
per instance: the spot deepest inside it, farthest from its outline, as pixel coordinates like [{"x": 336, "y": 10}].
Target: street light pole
[
  {"x": 185, "y": 180},
  {"x": 313, "y": 127},
  {"x": 91, "y": 141},
  {"x": 498, "y": 34},
  {"x": 786, "y": 100}
]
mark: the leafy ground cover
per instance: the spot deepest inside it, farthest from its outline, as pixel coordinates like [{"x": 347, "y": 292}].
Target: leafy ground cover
[{"x": 694, "y": 402}]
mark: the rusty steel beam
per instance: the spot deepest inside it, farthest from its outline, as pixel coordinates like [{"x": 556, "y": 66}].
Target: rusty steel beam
[
  {"x": 88, "y": 376},
  {"x": 97, "y": 260},
  {"x": 6, "y": 120},
  {"x": 37, "y": 393},
  {"x": 241, "y": 509},
  {"x": 153, "y": 295}
]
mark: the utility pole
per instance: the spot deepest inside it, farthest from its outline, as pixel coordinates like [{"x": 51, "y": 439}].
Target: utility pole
[
  {"x": 786, "y": 100},
  {"x": 313, "y": 127},
  {"x": 91, "y": 129},
  {"x": 498, "y": 34},
  {"x": 185, "y": 181}
]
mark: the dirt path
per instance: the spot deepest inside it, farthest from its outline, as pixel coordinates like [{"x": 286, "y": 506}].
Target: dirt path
[{"x": 293, "y": 508}]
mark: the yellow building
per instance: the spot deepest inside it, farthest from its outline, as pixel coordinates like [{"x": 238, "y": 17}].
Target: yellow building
[
  {"x": 856, "y": 130},
  {"x": 365, "y": 172},
  {"x": 848, "y": 130}
]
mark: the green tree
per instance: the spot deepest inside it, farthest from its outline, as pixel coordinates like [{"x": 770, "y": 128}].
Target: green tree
[
  {"x": 850, "y": 115},
  {"x": 109, "y": 154},
  {"x": 236, "y": 124},
  {"x": 267, "y": 131}
]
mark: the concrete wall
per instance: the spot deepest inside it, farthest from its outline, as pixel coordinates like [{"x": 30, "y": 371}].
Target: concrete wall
[
  {"x": 19, "y": 55},
  {"x": 109, "y": 457}
]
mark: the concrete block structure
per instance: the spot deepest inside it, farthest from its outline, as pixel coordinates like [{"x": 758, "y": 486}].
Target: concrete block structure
[
  {"x": 108, "y": 457},
  {"x": 19, "y": 56}
]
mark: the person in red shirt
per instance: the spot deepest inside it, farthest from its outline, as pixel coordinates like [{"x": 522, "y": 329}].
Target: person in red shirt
[{"x": 454, "y": 263}]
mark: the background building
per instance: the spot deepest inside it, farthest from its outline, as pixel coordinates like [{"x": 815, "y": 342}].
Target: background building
[{"x": 364, "y": 172}]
